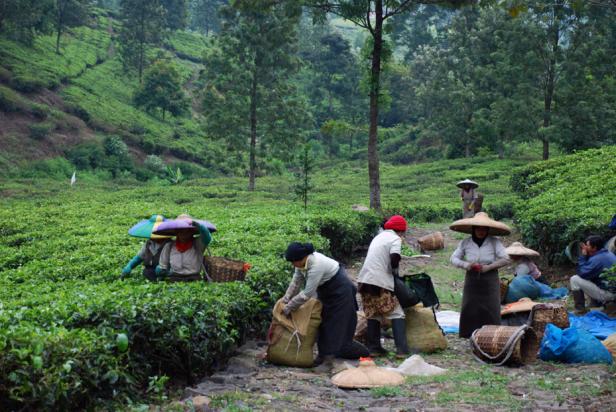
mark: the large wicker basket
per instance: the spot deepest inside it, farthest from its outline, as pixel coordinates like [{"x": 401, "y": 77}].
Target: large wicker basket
[
  {"x": 222, "y": 269},
  {"x": 545, "y": 313},
  {"x": 433, "y": 241},
  {"x": 512, "y": 345}
]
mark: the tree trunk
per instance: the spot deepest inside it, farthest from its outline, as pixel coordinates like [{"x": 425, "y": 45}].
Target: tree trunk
[
  {"x": 59, "y": 33},
  {"x": 253, "y": 132},
  {"x": 550, "y": 85},
  {"x": 373, "y": 154}
]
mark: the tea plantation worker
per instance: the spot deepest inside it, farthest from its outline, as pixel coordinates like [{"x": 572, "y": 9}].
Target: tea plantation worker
[
  {"x": 593, "y": 261},
  {"x": 149, "y": 254},
  {"x": 468, "y": 195},
  {"x": 182, "y": 259},
  {"x": 521, "y": 257},
  {"x": 376, "y": 285},
  {"x": 325, "y": 279},
  {"x": 480, "y": 255}
]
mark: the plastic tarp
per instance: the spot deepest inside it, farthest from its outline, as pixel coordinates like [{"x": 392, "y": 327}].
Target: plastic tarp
[
  {"x": 595, "y": 322},
  {"x": 572, "y": 345},
  {"x": 547, "y": 292},
  {"x": 449, "y": 321}
]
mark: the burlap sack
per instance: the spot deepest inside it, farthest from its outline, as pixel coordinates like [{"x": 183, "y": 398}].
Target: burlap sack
[
  {"x": 610, "y": 344},
  {"x": 422, "y": 330},
  {"x": 291, "y": 341}
]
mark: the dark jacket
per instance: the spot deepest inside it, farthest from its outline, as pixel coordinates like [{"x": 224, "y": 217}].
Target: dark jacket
[{"x": 590, "y": 268}]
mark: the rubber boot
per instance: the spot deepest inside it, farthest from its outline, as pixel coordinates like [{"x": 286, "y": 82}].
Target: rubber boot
[
  {"x": 579, "y": 301},
  {"x": 373, "y": 338},
  {"x": 324, "y": 364},
  {"x": 398, "y": 326}
]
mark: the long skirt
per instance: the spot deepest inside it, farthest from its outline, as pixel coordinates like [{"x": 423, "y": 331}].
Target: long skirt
[
  {"x": 338, "y": 316},
  {"x": 480, "y": 302}
]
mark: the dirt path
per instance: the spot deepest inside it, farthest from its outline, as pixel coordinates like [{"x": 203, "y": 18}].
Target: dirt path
[{"x": 250, "y": 383}]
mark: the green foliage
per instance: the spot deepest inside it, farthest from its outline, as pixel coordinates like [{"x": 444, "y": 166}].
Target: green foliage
[
  {"x": 143, "y": 23},
  {"x": 39, "y": 131},
  {"x": 155, "y": 164},
  {"x": 175, "y": 177},
  {"x": 565, "y": 199},
  {"x": 11, "y": 101},
  {"x": 65, "y": 312},
  {"x": 162, "y": 89}
]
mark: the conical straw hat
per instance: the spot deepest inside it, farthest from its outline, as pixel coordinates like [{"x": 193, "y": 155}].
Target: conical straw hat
[
  {"x": 367, "y": 375},
  {"x": 480, "y": 219},
  {"x": 522, "y": 305},
  {"x": 518, "y": 249},
  {"x": 467, "y": 182}
]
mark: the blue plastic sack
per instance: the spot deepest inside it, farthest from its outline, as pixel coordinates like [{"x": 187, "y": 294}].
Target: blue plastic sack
[
  {"x": 595, "y": 322},
  {"x": 523, "y": 286},
  {"x": 572, "y": 345}
]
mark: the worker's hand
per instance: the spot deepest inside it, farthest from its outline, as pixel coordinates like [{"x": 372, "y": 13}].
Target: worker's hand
[
  {"x": 125, "y": 272},
  {"x": 286, "y": 299},
  {"x": 286, "y": 311},
  {"x": 583, "y": 248},
  {"x": 476, "y": 267}
]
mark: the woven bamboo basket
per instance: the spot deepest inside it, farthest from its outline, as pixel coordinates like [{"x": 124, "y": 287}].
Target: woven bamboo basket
[
  {"x": 433, "y": 241},
  {"x": 504, "y": 286},
  {"x": 545, "y": 313},
  {"x": 512, "y": 345},
  {"x": 222, "y": 269}
]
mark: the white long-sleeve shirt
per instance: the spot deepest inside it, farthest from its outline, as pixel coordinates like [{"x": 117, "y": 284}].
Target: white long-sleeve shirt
[{"x": 491, "y": 251}]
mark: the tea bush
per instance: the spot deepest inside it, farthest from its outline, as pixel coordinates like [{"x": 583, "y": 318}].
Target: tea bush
[
  {"x": 63, "y": 304},
  {"x": 566, "y": 199}
]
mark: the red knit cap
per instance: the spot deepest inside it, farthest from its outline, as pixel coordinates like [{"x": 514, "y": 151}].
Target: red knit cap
[{"x": 397, "y": 223}]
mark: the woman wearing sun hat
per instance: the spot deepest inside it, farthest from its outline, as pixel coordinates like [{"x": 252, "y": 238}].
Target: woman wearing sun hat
[
  {"x": 521, "y": 256},
  {"x": 481, "y": 255},
  {"x": 469, "y": 196},
  {"x": 150, "y": 252},
  {"x": 182, "y": 259},
  {"x": 325, "y": 279}
]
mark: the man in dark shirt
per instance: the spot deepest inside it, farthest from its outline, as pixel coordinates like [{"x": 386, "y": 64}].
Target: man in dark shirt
[{"x": 593, "y": 260}]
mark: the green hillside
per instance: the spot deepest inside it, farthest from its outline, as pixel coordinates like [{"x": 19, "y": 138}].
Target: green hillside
[{"x": 52, "y": 102}]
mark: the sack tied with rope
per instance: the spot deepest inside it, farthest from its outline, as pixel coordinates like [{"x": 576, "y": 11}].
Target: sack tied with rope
[{"x": 291, "y": 340}]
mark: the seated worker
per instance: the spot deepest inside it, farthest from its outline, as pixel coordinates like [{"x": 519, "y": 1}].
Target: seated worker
[
  {"x": 149, "y": 255},
  {"x": 593, "y": 260},
  {"x": 521, "y": 257},
  {"x": 182, "y": 259},
  {"x": 325, "y": 279},
  {"x": 376, "y": 285}
]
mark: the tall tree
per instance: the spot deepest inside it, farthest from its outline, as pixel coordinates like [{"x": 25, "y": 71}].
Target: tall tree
[
  {"x": 205, "y": 15},
  {"x": 249, "y": 96},
  {"x": 23, "y": 19},
  {"x": 143, "y": 25},
  {"x": 162, "y": 89},
  {"x": 370, "y": 15},
  {"x": 553, "y": 22},
  {"x": 69, "y": 13},
  {"x": 176, "y": 14}
]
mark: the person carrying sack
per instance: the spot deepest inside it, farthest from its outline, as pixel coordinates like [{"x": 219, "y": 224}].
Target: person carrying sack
[
  {"x": 376, "y": 285},
  {"x": 481, "y": 255},
  {"x": 325, "y": 279}
]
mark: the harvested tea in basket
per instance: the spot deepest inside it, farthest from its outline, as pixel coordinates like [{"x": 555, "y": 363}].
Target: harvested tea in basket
[{"x": 222, "y": 269}]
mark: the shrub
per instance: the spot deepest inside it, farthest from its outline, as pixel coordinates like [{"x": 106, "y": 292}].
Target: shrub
[
  {"x": 40, "y": 111},
  {"x": 57, "y": 167},
  {"x": 10, "y": 101},
  {"x": 5, "y": 75},
  {"x": 27, "y": 84},
  {"x": 155, "y": 165},
  {"x": 86, "y": 155},
  {"x": 78, "y": 111},
  {"x": 566, "y": 199},
  {"x": 39, "y": 131}
]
